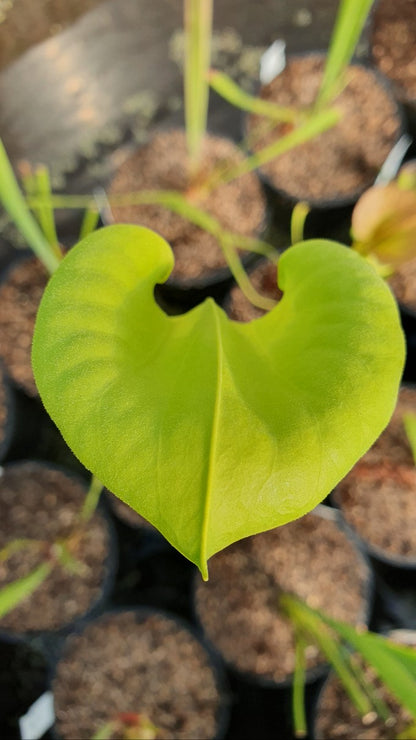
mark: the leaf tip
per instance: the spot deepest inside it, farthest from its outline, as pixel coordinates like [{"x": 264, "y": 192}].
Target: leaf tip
[{"x": 203, "y": 569}]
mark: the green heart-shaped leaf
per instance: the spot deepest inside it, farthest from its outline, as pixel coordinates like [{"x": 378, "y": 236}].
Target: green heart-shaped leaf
[{"x": 215, "y": 430}]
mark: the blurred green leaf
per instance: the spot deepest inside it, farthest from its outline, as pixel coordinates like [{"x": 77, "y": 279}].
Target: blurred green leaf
[
  {"x": 14, "y": 203},
  {"x": 349, "y": 23},
  {"x": 12, "y": 594}
]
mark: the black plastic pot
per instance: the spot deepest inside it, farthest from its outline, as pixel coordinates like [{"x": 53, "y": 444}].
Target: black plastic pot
[
  {"x": 28, "y": 432},
  {"x": 140, "y": 616},
  {"x": 24, "y": 677},
  {"x": 8, "y": 432},
  {"x": 394, "y": 578},
  {"x": 24, "y": 258},
  {"x": 48, "y": 642},
  {"x": 328, "y": 218}
]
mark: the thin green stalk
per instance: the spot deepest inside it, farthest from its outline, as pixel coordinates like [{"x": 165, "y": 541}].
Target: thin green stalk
[
  {"x": 45, "y": 214},
  {"x": 179, "y": 204},
  {"x": 297, "y": 221},
  {"x": 395, "y": 665},
  {"x": 312, "y": 625},
  {"x": 240, "y": 276},
  {"x": 17, "y": 545},
  {"x": 349, "y": 23},
  {"x": 68, "y": 561},
  {"x": 298, "y": 695},
  {"x": 313, "y": 126},
  {"x": 230, "y": 91},
  {"x": 91, "y": 500},
  {"x": 28, "y": 179},
  {"x": 379, "y": 705},
  {"x": 89, "y": 222},
  {"x": 15, "y": 205},
  {"x": 198, "y": 29}
]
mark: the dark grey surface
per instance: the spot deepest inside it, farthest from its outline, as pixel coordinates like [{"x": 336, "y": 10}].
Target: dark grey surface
[{"x": 81, "y": 92}]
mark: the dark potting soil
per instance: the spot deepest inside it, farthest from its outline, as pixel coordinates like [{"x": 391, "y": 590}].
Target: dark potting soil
[
  {"x": 24, "y": 23},
  {"x": 337, "y": 718},
  {"x": 264, "y": 280},
  {"x": 162, "y": 164},
  {"x": 377, "y": 497},
  {"x": 393, "y": 44},
  {"x": 343, "y": 161},
  {"x": 40, "y": 503},
  {"x": 20, "y": 295},
  {"x": 238, "y": 606},
  {"x": 154, "y": 667},
  {"x": 403, "y": 284}
]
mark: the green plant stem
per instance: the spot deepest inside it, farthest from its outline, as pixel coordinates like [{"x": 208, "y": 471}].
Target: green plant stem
[
  {"x": 298, "y": 696},
  {"x": 349, "y": 23},
  {"x": 312, "y": 625},
  {"x": 179, "y": 204},
  {"x": 227, "y": 88},
  {"x": 198, "y": 28},
  {"x": 316, "y": 124},
  {"x": 89, "y": 222},
  {"x": 46, "y": 215},
  {"x": 91, "y": 500},
  {"x": 240, "y": 276},
  {"x": 19, "y": 544},
  {"x": 379, "y": 705},
  {"x": 297, "y": 221},
  {"x": 15, "y": 205}
]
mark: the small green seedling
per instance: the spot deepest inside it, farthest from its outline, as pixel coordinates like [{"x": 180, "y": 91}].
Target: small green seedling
[
  {"x": 302, "y": 125},
  {"x": 38, "y": 229},
  {"x": 62, "y": 552},
  {"x": 394, "y": 664}
]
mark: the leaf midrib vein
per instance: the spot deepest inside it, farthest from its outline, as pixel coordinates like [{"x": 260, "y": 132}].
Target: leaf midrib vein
[{"x": 213, "y": 442}]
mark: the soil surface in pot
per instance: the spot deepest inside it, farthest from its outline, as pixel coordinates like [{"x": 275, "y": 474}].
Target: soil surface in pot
[
  {"x": 127, "y": 514},
  {"x": 24, "y": 23},
  {"x": 238, "y": 609},
  {"x": 377, "y": 497},
  {"x": 239, "y": 206},
  {"x": 264, "y": 280},
  {"x": 40, "y": 503},
  {"x": 120, "y": 664},
  {"x": 393, "y": 44},
  {"x": 20, "y": 294},
  {"x": 337, "y": 718},
  {"x": 343, "y": 161},
  {"x": 403, "y": 284}
]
